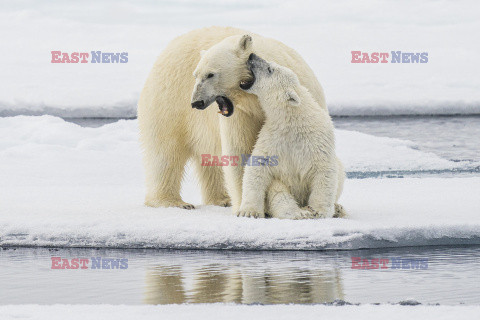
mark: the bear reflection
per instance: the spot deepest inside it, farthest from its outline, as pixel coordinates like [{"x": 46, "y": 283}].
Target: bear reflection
[{"x": 217, "y": 283}]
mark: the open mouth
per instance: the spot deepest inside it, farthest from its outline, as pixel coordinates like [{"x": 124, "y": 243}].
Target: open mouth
[
  {"x": 225, "y": 105},
  {"x": 247, "y": 84}
]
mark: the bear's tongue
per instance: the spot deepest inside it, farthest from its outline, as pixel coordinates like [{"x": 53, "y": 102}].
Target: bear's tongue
[{"x": 225, "y": 105}]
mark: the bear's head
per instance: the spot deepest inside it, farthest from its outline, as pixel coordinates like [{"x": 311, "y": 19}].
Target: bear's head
[
  {"x": 273, "y": 84},
  {"x": 221, "y": 73}
]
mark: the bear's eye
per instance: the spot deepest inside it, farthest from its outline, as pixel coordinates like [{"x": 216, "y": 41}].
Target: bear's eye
[
  {"x": 210, "y": 75},
  {"x": 269, "y": 70}
]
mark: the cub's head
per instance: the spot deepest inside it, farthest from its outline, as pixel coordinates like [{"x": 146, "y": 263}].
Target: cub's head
[
  {"x": 221, "y": 73},
  {"x": 273, "y": 82}
]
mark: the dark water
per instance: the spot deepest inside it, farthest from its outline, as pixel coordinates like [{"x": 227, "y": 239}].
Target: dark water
[
  {"x": 93, "y": 122},
  {"x": 455, "y": 138},
  {"x": 451, "y": 277}
]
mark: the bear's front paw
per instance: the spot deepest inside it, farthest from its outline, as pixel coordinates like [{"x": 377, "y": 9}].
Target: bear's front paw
[{"x": 250, "y": 213}]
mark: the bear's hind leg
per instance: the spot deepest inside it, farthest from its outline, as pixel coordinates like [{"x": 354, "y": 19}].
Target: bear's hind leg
[
  {"x": 323, "y": 193},
  {"x": 212, "y": 181},
  {"x": 282, "y": 205},
  {"x": 340, "y": 211}
]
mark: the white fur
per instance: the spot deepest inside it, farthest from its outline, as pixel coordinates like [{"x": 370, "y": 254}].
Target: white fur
[
  {"x": 171, "y": 132},
  {"x": 301, "y": 134}
]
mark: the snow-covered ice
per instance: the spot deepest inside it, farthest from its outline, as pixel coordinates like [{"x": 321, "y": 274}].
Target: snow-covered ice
[
  {"x": 324, "y": 33},
  {"x": 65, "y": 185},
  {"x": 384, "y": 213},
  {"x": 233, "y": 312}
]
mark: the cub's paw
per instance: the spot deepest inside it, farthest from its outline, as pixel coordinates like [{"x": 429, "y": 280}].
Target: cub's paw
[
  {"x": 340, "y": 211},
  {"x": 305, "y": 213},
  {"x": 317, "y": 214},
  {"x": 250, "y": 213}
]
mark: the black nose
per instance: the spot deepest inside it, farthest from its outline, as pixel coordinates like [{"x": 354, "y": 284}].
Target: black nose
[
  {"x": 198, "y": 105},
  {"x": 252, "y": 56}
]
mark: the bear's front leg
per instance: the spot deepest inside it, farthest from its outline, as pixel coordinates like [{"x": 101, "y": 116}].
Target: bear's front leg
[
  {"x": 256, "y": 179},
  {"x": 323, "y": 193},
  {"x": 238, "y": 135},
  {"x": 233, "y": 182}
]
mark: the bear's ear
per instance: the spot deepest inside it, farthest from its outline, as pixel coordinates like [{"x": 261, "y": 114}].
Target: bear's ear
[
  {"x": 293, "y": 98},
  {"x": 245, "y": 43}
]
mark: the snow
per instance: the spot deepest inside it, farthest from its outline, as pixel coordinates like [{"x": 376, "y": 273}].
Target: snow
[
  {"x": 64, "y": 185},
  {"x": 324, "y": 33},
  {"x": 230, "y": 311}
]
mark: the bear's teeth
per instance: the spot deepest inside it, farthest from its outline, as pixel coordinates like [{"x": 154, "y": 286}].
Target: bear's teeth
[{"x": 224, "y": 111}]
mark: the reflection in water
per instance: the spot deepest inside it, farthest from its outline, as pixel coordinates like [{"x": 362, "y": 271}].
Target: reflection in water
[
  {"x": 221, "y": 283},
  {"x": 167, "y": 288},
  {"x": 179, "y": 276}
]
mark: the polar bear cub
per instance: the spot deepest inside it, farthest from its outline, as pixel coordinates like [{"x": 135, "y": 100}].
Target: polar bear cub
[{"x": 301, "y": 135}]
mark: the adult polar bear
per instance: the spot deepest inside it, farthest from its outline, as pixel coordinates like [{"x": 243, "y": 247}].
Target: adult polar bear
[{"x": 171, "y": 132}]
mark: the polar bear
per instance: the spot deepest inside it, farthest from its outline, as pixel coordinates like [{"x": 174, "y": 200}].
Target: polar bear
[
  {"x": 301, "y": 135},
  {"x": 173, "y": 130}
]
